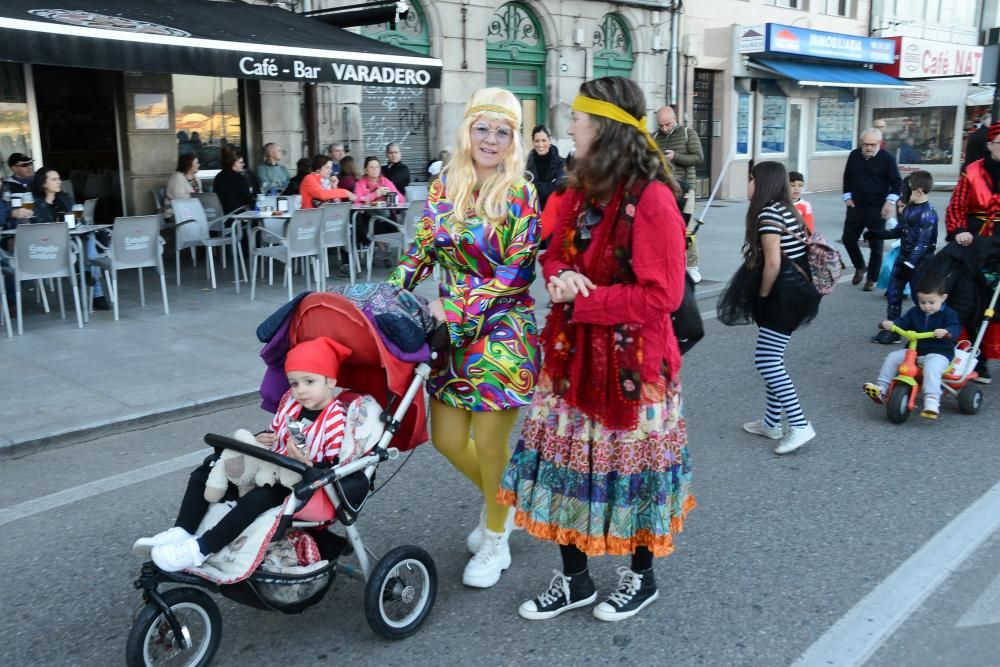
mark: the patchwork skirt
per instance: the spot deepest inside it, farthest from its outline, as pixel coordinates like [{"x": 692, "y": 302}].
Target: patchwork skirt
[{"x": 571, "y": 480}]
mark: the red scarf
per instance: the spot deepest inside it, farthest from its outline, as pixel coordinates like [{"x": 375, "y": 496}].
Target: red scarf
[{"x": 595, "y": 367}]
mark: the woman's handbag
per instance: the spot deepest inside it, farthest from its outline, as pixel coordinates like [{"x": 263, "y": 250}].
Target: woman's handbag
[
  {"x": 825, "y": 263},
  {"x": 688, "y": 327}
]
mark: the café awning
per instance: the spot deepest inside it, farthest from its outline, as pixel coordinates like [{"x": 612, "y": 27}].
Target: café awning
[
  {"x": 229, "y": 39},
  {"x": 816, "y": 74}
]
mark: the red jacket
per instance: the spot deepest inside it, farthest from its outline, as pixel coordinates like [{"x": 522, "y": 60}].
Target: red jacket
[
  {"x": 312, "y": 188},
  {"x": 972, "y": 196}
]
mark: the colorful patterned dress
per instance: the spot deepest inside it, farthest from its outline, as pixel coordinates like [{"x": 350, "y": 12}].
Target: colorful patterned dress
[
  {"x": 487, "y": 270},
  {"x": 609, "y": 486}
]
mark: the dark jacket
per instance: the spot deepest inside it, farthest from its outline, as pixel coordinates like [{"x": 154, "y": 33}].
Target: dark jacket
[
  {"x": 871, "y": 181},
  {"x": 553, "y": 177},
  {"x": 975, "y": 147},
  {"x": 915, "y": 320},
  {"x": 233, "y": 189},
  {"x": 918, "y": 228},
  {"x": 399, "y": 174},
  {"x": 46, "y": 212}
]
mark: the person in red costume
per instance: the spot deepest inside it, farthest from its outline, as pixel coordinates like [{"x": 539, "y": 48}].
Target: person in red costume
[
  {"x": 973, "y": 211},
  {"x": 321, "y": 185}
]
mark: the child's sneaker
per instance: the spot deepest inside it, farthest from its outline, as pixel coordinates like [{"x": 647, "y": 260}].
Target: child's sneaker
[
  {"x": 759, "y": 428},
  {"x": 796, "y": 437},
  {"x": 874, "y": 392},
  {"x": 564, "y": 593},
  {"x": 932, "y": 406},
  {"x": 177, "y": 556},
  {"x": 144, "y": 545},
  {"x": 635, "y": 591}
]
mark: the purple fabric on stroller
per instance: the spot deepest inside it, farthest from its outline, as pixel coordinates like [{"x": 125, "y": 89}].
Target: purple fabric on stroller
[{"x": 275, "y": 384}]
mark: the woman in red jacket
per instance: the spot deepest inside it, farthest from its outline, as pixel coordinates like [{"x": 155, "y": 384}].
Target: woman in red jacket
[
  {"x": 321, "y": 185},
  {"x": 602, "y": 464}
]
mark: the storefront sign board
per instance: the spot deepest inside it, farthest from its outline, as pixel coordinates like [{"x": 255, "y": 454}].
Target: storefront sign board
[
  {"x": 790, "y": 40},
  {"x": 928, "y": 59}
]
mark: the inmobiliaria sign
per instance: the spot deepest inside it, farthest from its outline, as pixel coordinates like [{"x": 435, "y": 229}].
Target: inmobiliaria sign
[{"x": 926, "y": 59}]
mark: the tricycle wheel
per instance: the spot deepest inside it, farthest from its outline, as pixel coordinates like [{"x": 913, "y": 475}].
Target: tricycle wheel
[
  {"x": 970, "y": 399},
  {"x": 400, "y": 592},
  {"x": 897, "y": 405},
  {"x": 151, "y": 640}
]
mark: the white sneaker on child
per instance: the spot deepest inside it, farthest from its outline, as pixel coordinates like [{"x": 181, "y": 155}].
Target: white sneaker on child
[
  {"x": 932, "y": 406},
  {"x": 176, "y": 556},
  {"x": 143, "y": 545},
  {"x": 797, "y": 436},
  {"x": 758, "y": 427}
]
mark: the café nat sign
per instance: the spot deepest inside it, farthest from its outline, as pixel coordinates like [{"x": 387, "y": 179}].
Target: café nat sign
[{"x": 927, "y": 59}]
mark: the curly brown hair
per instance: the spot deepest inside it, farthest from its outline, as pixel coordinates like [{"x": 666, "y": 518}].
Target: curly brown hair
[{"x": 620, "y": 153}]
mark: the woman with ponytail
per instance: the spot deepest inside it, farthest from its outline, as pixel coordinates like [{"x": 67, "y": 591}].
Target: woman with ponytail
[
  {"x": 602, "y": 464},
  {"x": 481, "y": 228}
]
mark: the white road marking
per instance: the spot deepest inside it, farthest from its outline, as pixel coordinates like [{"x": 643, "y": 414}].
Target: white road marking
[
  {"x": 985, "y": 610},
  {"x": 862, "y": 630},
  {"x": 90, "y": 489}
]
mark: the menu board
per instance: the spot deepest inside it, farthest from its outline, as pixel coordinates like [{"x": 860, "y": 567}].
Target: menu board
[
  {"x": 774, "y": 117},
  {"x": 743, "y": 124},
  {"x": 835, "y": 121}
]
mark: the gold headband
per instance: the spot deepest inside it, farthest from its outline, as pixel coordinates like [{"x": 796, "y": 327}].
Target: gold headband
[
  {"x": 604, "y": 109},
  {"x": 497, "y": 109}
]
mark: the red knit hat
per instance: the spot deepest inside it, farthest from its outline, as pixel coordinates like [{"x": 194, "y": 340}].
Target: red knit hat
[
  {"x": 993, "y": 132},
  {"x": 321, "y": 356}
]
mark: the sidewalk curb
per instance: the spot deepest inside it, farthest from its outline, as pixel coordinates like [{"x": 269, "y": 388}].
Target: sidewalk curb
[{"x": 10, "y": 448}]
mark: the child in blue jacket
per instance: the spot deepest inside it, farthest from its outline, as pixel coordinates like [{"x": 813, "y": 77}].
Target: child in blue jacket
[{"x": 934, "y": 354}]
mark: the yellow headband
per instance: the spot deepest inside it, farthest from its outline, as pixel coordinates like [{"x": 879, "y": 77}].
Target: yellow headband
[
  {"x": 604, "y": 109},
  {"x": 496, "y": 109}
]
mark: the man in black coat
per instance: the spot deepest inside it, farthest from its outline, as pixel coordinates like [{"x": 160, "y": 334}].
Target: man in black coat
[
  {"x": 395, "y": 170},
  {"x": 871, "y": 190},
  {"x": 975, "y": 147}
]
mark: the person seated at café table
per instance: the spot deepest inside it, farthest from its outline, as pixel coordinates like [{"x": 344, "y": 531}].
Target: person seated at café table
[
  {"x": 348, "y": 173},
  {"x": 295, "y": 182},
  {"x": 395, "y": 170},
  {"x": 19, "y": 182},
  {"x": 52, "y": 205},
  {"x": 373, "y": 186},
  {"x": 321, "y": 185},
  {"x": 273, "y": 175},
  {"x": 183, "y": 183},
  {"x": 230, "y": 184}
]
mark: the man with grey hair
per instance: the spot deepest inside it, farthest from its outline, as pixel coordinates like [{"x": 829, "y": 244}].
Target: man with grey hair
[
  {"x": 682, "y": 148},
  {"x": 273, "y": 175},
  {"x": 871, "y": 190},
  {"x": 336, "y": 153},
  {"x": 394, "y": 169}
]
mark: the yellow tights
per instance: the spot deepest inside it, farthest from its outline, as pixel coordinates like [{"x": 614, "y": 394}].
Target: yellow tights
[{"x": 476, "y": 443}]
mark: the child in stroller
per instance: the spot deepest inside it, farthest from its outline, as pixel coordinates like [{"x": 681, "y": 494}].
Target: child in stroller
[{"x": 308, "y": 427}]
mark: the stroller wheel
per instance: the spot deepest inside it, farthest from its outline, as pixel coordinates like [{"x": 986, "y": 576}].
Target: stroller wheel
[
  {"x": 970, "y": 399},
  {"x": 152, "y": 641},
  {"x": 400, "y": 592},
  {"x": 897, "y": 405}
]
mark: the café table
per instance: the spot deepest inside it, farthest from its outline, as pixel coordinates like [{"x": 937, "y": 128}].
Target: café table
[
  {"x": 248, "y": 218},
  {"x": 77, "y": 234}
]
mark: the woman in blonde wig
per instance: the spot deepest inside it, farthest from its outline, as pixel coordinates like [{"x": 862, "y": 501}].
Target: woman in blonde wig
[{"x": 481, "y": 227}]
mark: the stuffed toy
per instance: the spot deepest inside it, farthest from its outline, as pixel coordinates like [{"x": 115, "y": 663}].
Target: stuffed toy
[{"x": 246, "y": 472}]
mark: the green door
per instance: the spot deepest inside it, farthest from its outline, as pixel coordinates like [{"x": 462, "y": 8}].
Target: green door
[{"x": 515, "y": 60}]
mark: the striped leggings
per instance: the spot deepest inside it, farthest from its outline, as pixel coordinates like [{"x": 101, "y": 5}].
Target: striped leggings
[{"x": 769, "y": 358}]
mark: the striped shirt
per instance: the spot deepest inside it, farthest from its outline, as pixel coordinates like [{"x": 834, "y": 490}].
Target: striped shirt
[
  {"x": 323, "y": 436},
  {"x": 777, "y": 218}
]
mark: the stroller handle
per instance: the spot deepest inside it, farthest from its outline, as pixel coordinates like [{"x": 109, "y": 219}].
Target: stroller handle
[{"x": 220, "y": 442}]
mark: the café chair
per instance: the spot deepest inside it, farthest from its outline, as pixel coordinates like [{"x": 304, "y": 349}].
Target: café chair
[
  {"x": 135, "y": 244},
  {"x": 191, "y": 230},
  {"x": 89, "y": 207},
  {"x": 217, "y": 220},
  {"x": 336, "y": 234},
  {"x": 416, "y": 191},
  {"x": 159, "y": 199},
  {"x": 44, "y": 250},
  {"x": 303, "y": 239},
  {"x": 405, "y": 235}
]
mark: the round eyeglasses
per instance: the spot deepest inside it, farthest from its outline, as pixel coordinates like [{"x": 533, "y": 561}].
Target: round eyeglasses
[{"x": 479, "y": 132}]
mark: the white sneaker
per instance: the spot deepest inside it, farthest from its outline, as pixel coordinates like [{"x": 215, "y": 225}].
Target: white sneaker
[
  {"x": 143, "y": 545},
  {"x": 695, "y": 274},
  {"x": 176, "y": 556},
  {"x": 475, "y": 538},
  {"x": 493, "y": 557},
  {"x": 758, "y": 428},
  {"x": 797, "y": 436}
]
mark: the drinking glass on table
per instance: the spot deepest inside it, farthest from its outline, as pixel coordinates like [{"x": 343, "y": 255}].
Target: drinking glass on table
[{"x": 28, "y": 200}]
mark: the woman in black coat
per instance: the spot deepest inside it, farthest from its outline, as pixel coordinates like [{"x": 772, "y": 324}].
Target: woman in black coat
[
  {"x": 51, "y": 203},
  {"x": 230, "y": 184},
  {"x": 547, "y": 167}
]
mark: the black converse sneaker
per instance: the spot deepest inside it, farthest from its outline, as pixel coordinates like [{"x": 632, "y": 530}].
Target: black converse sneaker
[
  {"x": 564, "y": 593},
  {"x": 635, "y": 591}
]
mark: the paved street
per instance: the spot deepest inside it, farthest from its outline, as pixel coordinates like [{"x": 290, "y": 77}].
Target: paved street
[{"x": 779, "y": 550}]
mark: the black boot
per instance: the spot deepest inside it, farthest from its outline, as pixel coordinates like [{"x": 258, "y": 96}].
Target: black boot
[
  {"x": 635, "y": 591},
  {"x": 983, "y": 371},
  {"x": 564, "y": 593}
]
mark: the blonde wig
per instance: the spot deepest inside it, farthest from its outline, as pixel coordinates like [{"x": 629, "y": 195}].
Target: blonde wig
[{"x": 496, "y": 105}]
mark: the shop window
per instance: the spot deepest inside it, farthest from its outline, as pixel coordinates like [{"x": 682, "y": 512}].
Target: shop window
[
  {"x": 919, "y": 136},
  {"x": 835, "y": 121},
  {"x": 773, "y": 123},
  {"x": 791, "y": 4},
  {"x": 207, "y": 117},
  {"x": 836, "y": 7},
  {"x": 15, "y": 129},
  {"x": 742, "y": 124}
]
